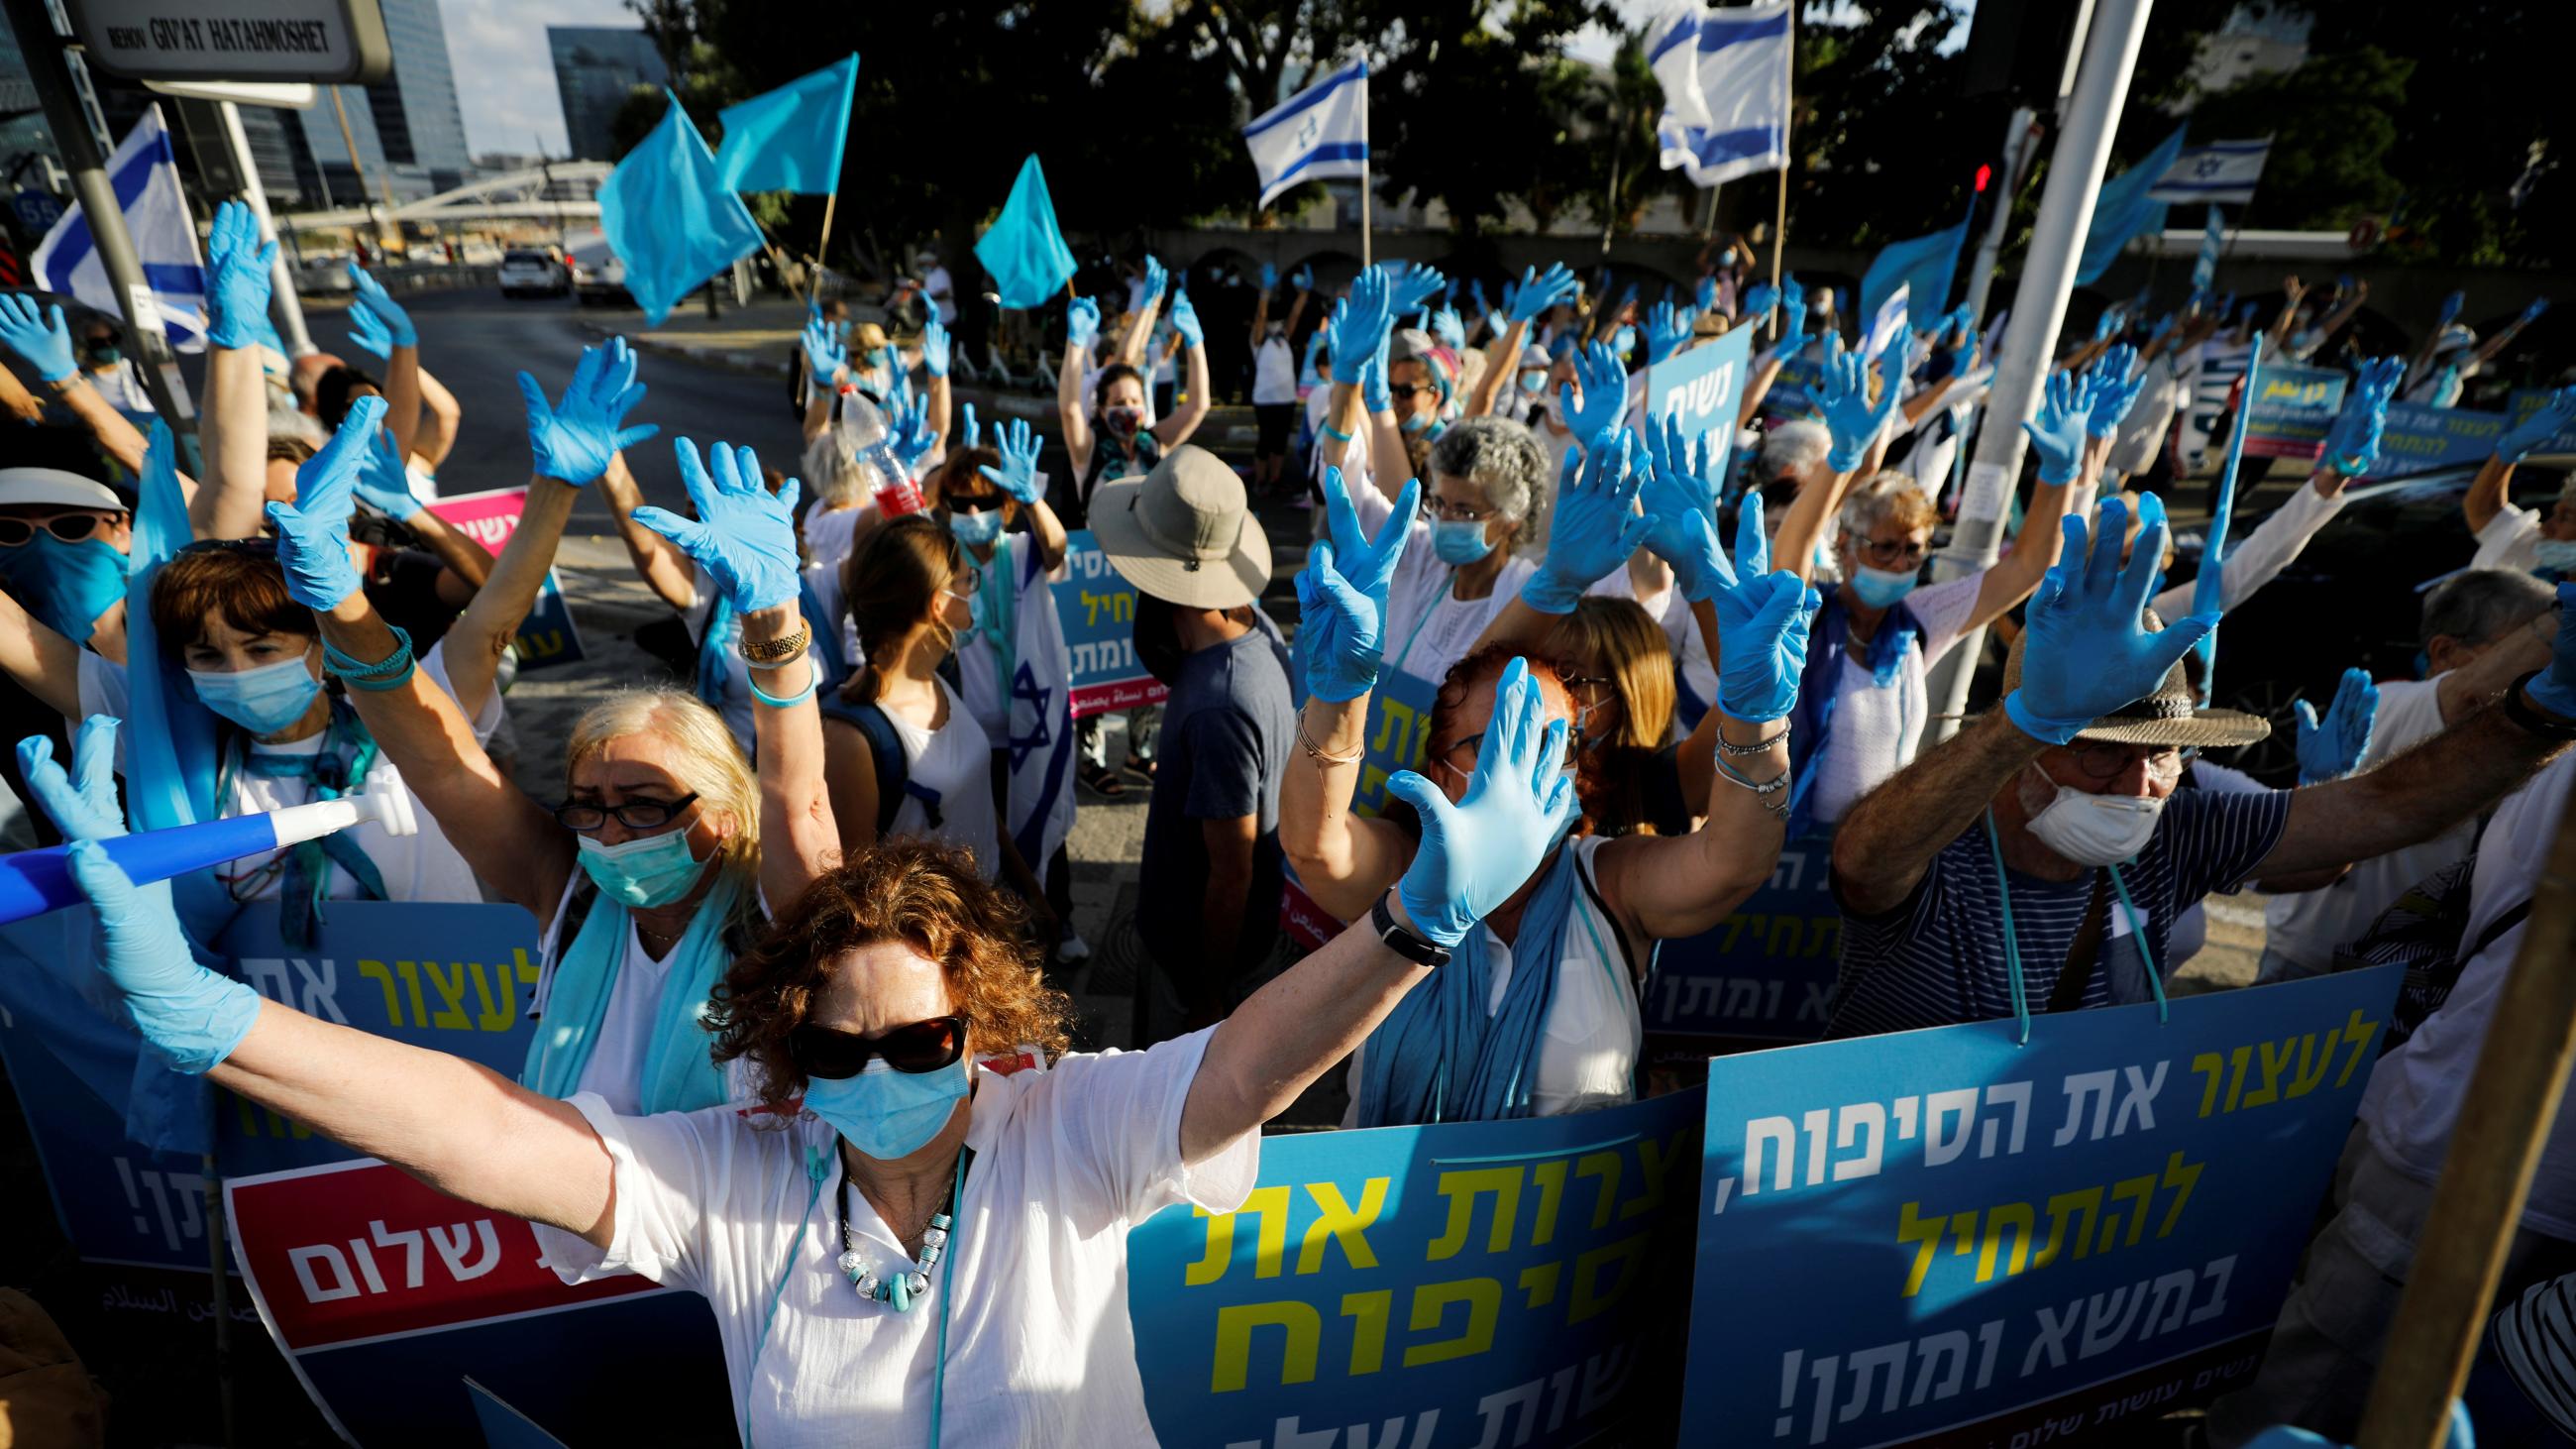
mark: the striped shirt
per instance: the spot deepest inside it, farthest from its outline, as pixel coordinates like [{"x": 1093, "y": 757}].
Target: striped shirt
[{"x": 1938, "y": 959}]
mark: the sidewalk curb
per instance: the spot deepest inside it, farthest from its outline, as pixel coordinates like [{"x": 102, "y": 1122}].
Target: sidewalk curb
[{"x": 732, "y": 359}]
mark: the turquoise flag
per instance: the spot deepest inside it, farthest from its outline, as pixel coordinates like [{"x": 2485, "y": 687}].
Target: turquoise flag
[
  {"x": 1922, "y": 265},
  {"x": 790, "y": 139},
  {"x": 1024, "y": 252},
  {"x": 669, "y": 219},
  {"x": 2121, "y": 209}
]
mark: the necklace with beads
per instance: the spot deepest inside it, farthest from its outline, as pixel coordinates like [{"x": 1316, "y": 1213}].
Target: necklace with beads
[{"x": 902, "y": 1289}]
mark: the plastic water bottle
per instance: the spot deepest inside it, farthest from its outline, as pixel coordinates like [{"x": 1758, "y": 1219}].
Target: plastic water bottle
[{"x": 862, "y": 435}]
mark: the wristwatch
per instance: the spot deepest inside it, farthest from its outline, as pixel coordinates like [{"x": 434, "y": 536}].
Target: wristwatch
[
  {"x": 2522, "y": 714},
  {"x": 1403, "y": 942}
]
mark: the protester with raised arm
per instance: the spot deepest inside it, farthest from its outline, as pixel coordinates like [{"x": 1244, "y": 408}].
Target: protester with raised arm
[{"x": 2524, "y": 538}]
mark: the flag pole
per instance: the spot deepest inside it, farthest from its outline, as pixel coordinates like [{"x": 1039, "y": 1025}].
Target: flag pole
[
  {"x": 822, "y": 247},
  {"x": 1780, "y": 221}
]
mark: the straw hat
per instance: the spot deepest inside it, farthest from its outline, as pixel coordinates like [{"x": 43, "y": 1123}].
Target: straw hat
[
  {"x": 2168, "y": 717},
  {"x": 1184, "y": 532}
]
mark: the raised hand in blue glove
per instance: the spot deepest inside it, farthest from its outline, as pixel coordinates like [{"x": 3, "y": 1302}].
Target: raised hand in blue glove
[
  {"x": 744, "y": 535},
  {"x": 2116, "y": 381},
  {"x": 2057, "y": 432},
  {"x": 1760, "y": 298},
  {"x": 1539, "y": 291},
  {"x": 1410, "y": 286},
  {"x": 1359, "y": 324},
  {"x": 1018, "y": 475},
  {"x": 1605, "y": 393},
  {"x": 1156, "y": 279},
  {"x": 1341, "y": 593},
  {"x": 2352, "y": 442},
  {"x": 237, "y": 273},
  {"x": 908, "y": 430},
  {"x": 1763, "y": 618},
  {"x": 825, "y": 354},
  {"x": 1704, "y": 296},
  {"x": 1594, "y": 525},
  {"x": 2108, "y": 325},
  {"x": 1376, "y": 395},
  {"x": 574, "y": 440},
  {"x": 382, "y": 483},
  {"x": 1476, "y": 294},
  {"x": 1269, "y": 277},
  {"x": 313, "y": 531},
  {"x": 2163, "y": 325},
  {"x": 1185, "y": 321},
  {"x": 371, "y": 295},
  {"x": 367, "y": 334},
  {"x": 1666, "y": 331},
  {"x": 2333, "y": 749},
  {"x": 1627, "y": 299},
  {"x": 970, "y": 429},
  {"x": 40, "y": 336},
  {"x": 1850, "y": 419},
  {"x": 1675, "y": 490},
  {"x": 2547, "y": 421},
  {"x": 2532, "y": 313},
  {"x": 2089, "y": 651},
  {"x": 934, "y": 347},
  {"x": 2450, "y": 309},
  {"x": 1081, "y": 323},
  {"x": 1448, "y": 330},
  {"x": 2554, "y": 689},
  {"x": 1519, "y": 802},
  {"x": 1303, "y": 279},
  {"x": 190, "y": 1016}
]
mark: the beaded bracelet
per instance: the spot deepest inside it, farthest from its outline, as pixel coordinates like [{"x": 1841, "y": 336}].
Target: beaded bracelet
[
  {"x": 384, "y": 674},
  {"x": 813, "y": 678},
  {"x": 1758, "y": 747},
  {"x": 1763, "y": 790}
]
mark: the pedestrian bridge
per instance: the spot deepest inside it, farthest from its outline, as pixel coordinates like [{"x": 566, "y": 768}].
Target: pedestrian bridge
[{"x": 560, "y": 192}]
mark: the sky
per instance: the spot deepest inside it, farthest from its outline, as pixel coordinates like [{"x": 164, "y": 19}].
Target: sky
[{"x": 505, "y": 80}]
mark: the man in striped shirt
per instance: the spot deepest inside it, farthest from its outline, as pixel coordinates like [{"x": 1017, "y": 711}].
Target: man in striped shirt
[{"x": 2036, "y": 860}]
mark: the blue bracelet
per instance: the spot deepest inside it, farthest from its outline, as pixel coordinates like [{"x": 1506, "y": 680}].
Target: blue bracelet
[
  {"x": 813, "y": 677},
  {"x": 1336, "y": 434},
  {"x": 391, "y": 670}
]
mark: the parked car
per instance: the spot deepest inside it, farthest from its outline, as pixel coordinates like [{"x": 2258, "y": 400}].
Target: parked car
[
  {"x": 598, "y": 276},
  {"x": 532, "y": 274},
  {"x": 315, "y": 276}
]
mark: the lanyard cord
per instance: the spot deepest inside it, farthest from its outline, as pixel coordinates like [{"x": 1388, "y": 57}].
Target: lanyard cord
[
  {"x": 948, "y": 1293},
  {"x": 2012, "y": 947},
  {"x": 2138, "y": 935}
]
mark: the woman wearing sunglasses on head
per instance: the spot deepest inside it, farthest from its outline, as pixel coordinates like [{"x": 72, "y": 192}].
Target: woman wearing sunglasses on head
[
  {"x": 922, "y": 1221},
  {"x": 1544, "y": 1019}
]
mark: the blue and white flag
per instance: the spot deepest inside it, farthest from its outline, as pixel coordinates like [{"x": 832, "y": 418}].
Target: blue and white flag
[
  {"x": 2204, "y": 270},
  {"x": 2220, "y": 171},
  {"x": 146, "y": 178},
  {"x": 1319, "y": 132},
  {"x": 1725, "y": 77},
  {"x": 1040, "y": 683},
  {"x": 1886, "y": 323}
]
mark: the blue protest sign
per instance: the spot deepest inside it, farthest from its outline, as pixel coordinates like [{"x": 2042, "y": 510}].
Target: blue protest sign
[
  {"x": 2420, "y": 438},
  {"x": 547, "y": 636},
  {"x": 2293, "y": 408},
  {"x": 1792, "y": 392},
  {"x": 1765, "y": 971},
  {"x": 1472, "y": 1283},
  {"x": 1395, "y": 736},
  {"x": 2021, "y": 1236},
  {"x": 1704, "y": 388},
  {"x": 1097, "y": 607}
]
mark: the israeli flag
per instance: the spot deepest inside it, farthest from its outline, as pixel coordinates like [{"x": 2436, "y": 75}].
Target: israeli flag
[
  {"x": 2222, "y": 171},
  {"x": 1319, "y": 132},
  {"x": 1725, "y": 77},
  {"x": 146, "y": 177},
  {"x": 1040, "y": 794},
  {"x": 1887, "y": 325}
]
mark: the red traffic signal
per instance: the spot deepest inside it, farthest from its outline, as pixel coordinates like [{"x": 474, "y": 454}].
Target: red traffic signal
[{"x": 1984, "y": 175}]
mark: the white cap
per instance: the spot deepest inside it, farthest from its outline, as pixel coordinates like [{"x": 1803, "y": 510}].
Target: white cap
[{"x": 42, "y": 487}]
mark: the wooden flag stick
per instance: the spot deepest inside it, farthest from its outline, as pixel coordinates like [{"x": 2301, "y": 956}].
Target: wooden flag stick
[
  {"x": 822, "y": 247},
  {"x": 2502, "y": 1127}
]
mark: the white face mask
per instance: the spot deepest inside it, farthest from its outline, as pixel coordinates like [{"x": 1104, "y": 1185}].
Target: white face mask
[{"x": 2093, "y": 829}]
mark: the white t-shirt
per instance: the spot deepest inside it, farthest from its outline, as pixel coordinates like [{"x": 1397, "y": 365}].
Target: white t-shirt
[
  {"x": 2308, "y": 925},
  {"x": 1356, "y": 473},
  {"x": 1033, "y": 1287},
  {"x": 1274, "y": 373},
  {"x": 736, "y": 707},
  {"x": 422, "y": 867},
  {"x": 829, "y": 533},
  {"x": 614, "y": 1070},
  {"x": 1876, "y": 730},
  {"x": 956, "y": 760},
  {"x": 1587, "y": 1054},
  {"x": 2142, "y": 432},
  {"x": 1429, "y": 628},
  {"x": 2413, "y": 1102},
  {"x": 2511, "y": 540}
]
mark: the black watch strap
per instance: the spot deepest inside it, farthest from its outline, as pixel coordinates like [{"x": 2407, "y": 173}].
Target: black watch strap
[
  {"x": 2523, "y": 715},
  {"x": 1403, "y": 942}
]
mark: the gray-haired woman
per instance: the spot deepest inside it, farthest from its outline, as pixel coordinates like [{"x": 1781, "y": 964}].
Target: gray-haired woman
[{"x": 1473, "y": 545}]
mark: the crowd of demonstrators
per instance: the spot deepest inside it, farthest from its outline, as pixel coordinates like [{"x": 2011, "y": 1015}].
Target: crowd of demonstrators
[{"x": 785, "y": 905}]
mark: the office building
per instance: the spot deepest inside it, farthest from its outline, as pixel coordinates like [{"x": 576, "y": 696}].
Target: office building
[{"x": 596, "y": 69}]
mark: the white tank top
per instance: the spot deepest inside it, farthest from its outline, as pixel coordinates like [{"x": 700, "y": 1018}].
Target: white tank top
[{"x": 955, "y": 760}]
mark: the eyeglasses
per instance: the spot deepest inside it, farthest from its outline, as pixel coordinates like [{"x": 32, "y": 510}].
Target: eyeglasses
[
  {"x": 1405, "y": 390},
  {"x": 2104, "y": 761},
  {"x": 1887, "y": 554},
  {"x": 826, "y": 1055},
  {"x": 1439, "y": 507},
  {"x": 69, "y": 527},
  {"x": 585, "y": 817},
  {"x": 967, "y": 582},
  {"x": 1462, "y": 752}
]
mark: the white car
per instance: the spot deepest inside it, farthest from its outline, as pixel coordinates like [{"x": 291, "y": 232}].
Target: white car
[
  {"x": 599, "y": 277},
  {"x": 530, "y": 273}
]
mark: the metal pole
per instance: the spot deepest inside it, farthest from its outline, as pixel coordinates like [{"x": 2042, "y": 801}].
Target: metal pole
[
  {"x": 2019, "y": 144},
  {"x": 48, "y": 71},
  {"x": 1610, "y": 193},
  {"x": 2039, "y": 309},
  {"x": 1365, "y": 259},
  {"x": 284, "y": 307}
]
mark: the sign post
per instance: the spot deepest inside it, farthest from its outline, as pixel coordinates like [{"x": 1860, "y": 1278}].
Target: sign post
[{"x": 233, "y": 40}]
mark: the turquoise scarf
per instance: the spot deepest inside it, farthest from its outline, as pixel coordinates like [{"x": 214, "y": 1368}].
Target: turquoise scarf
[{"x": 679, "y": 1076}]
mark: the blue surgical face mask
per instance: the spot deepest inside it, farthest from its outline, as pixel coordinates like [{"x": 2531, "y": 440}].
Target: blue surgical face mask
[
  {"x": 2557, "y": 555},
  {"x": 653, "y": 871},
  {"x": 1880, "y": 588},
  {"x": 1534, "y": 381},
  {"x": 1459, "y": 542},
  {"x": 887, "y": 1114},
  {"x": 976, "y": 530},
  {"x": 67, "y": 585},
  {"x": 1624, "y": 341},
  {"x": 263, "y": 700}
]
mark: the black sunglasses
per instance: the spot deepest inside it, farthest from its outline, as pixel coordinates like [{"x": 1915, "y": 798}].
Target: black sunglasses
[
  {"x": 826, "y": 1055},
  {"x": 585, "y": 816},
  {"x": 69, "y": 527},
  {"x": 264, "y": 546}
]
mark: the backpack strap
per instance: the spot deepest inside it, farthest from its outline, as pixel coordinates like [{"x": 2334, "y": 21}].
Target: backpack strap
[{"x": 885, "y": 751}]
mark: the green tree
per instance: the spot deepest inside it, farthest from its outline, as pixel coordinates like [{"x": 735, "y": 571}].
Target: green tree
[{"x": 2333, "y": 123}]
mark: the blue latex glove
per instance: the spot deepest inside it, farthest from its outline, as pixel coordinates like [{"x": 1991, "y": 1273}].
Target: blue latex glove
[
  {"x": 237, "y": 273},
  {"x": 825, "y": 355},
  {"x": 382, "y": 483},
  {"x": 1763, "y": 618},
  {"x": 371, "y": 296},
  {"x": 2332, "y": 750},
  {"x": 1520, "y": 801},
  {"x": 2555, "y": 688},
  {"x": 2065, "y": 409},
  {"x": 1314, "y": 349},
  {"x": 1666, "y": 331},
  {"x": 1605, "y": 394},
  {"x": 2450, "y": 309},
  {"x": 313, "y": 531},
  {"x": 1705, "y": 295},
  {"x": 1341, "y": 593},
  {"x": 1539, "y": 291},
  {"x": 2545, "y": 422},
  {"x": 1449, "y": 292},
  {"x": 1410, "y": 286},
  {"x": 1269, "y": 277},
  {"x": 1303, "y": 279},
  {"x": 972, "y": 430},
  {"x": 744, "y": 535},
  {"x": 1358, "y": 325},
  {"x": 1511, "y": 297},
  {"x": 1627, "y": 299},
  {"x": 2163, "y": 325},
  {"x": 1476, "y": 294},
  {"x": 1594, "y": 526},
  {"x": 2089, "y": 651},
  {"x": 1448, "y": 330},
  {"x": 367, "y": 334},
  {"x": 1185, "y": 321},
  {"x": 1760, "y": 298},
  {"x": 934, "y": 347},
  {"x": 1375, "y": 394},
  {"x": 2226, "y": 305},
  {"x": 1081, "y": 323},
  {"x": 40, "y": 336},
  {"x": 191, "y": 1016},
  {"x": 574, "y": 440},
  {"x": 908, "y": 430},
  {"x": 1018, "y": 475},
  {"x": 2532, "y": 313},
  {"x": 1157, "y": 281},
  {"x": 2352, "y": 442},
  {"x": 1675, "y": 490},
  {"x": 1850, "y": 419},
  {"x": 2108, "y": 326},
  {"x": 2116, "y": 381}
]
